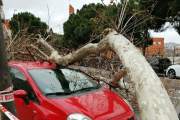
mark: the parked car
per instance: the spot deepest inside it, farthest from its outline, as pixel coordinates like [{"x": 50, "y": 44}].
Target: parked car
[
  {"x": 173, "y": 71},
  {"x": 159, "y": 64},
  {"x": 45, "y": 92}
]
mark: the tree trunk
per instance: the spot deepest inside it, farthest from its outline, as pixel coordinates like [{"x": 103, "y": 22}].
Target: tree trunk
[
  {"x": 5, "y": 81},
  {"x": 153, "y": 100}
]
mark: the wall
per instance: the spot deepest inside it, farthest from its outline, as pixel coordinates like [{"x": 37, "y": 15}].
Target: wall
[
  {"x": 71, "y": 10},
  {"x": 156, "y": 48}
]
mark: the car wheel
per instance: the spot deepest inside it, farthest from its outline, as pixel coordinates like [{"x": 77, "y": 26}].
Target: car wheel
[{"x": 171, "y": 74}]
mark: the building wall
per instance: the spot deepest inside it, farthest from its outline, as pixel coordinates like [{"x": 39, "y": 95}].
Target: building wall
[
  {"x": 8, "y": 29},
  {"x": 156, "y": 48},
  {"x": 7, "y": 24},
  {"x": 71, "y": 10}
]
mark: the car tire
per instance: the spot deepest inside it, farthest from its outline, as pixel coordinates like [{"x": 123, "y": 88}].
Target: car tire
[{"x": 171, "y": 74}]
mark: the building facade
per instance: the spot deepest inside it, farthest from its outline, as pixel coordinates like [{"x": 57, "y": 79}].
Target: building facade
[
  {"x": 8, "y": 29},
  {"x": 156, "y": 49},
  {"x": 71, "y": 10}
]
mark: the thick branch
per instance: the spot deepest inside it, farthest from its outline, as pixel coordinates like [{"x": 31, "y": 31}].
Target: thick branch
[
  {"x": 39, "y": 51},
  {"x": 45, "y": 44},
  {"x": 30, "y": 54},
  {"x": 76, "y": 56},
  {"x": 118, "y": 76}
]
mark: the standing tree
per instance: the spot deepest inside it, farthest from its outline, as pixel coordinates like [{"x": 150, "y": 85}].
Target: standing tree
[
  {"x": 25, "y": 20},
  {"x": 90, "y": 21},
  {"x": 79, "y": 26},
  {"x": 164, "y": 11}
]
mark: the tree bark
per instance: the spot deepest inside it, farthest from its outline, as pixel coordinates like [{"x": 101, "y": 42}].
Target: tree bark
[
  {"x": 5, "y": 81},
  {"x": 153, "y": 100}
]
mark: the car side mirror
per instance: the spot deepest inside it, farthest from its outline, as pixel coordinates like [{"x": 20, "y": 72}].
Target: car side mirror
[{"x": 20, "y": 94}]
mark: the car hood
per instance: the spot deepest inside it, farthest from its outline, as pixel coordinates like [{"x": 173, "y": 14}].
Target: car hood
[
  {"x": 174, "y": 66},
  {"x": 100, "y": 105}
]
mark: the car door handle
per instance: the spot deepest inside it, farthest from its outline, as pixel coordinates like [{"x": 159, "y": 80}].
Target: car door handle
[{"x": 34, "y": 111}]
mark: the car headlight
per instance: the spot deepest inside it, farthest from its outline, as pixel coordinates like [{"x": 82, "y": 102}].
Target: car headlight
[
  {"x": 129, "y": 104},
  {"x": 78, "y": 116}
]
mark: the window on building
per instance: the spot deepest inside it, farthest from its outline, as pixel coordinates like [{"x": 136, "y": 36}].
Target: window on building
[
  {"x": 154, "y": 43},
  {"x": 159, "y": 43}
]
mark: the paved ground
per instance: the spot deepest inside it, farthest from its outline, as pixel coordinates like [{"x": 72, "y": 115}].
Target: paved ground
[{"x": 173, "y": 86}]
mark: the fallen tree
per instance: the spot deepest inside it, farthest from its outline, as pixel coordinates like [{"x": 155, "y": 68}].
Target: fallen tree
[
  {"x": 152, "y": 97},
  {"x": 153, "y": 100}
]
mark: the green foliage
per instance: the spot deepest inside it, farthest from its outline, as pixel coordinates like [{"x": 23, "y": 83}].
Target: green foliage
[
  {"x": 57, "y": 40},
  {"x": 165, "y": 11},
  {"x": 79, "y": 26},
  {"x": 27, "y": 21},
  {"x": 92, "y": 19},
  {"x": 175, "y": 13}
]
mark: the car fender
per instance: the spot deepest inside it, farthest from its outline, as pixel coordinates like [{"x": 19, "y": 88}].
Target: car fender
[
  {"x": 174, "y": 67},
  {"x": 48, "y": 115}
]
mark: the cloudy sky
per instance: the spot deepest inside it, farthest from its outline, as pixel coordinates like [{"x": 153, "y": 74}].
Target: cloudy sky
[{"x": 59, "y": 11}]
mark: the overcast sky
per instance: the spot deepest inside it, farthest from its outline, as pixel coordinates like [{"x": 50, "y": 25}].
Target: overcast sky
[{"x": 59, "y": 11}]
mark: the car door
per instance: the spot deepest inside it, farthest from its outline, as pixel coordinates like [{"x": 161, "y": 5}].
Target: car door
[
  {"x": 177, "y": 70},
  {"x": 19, "y": 81}
]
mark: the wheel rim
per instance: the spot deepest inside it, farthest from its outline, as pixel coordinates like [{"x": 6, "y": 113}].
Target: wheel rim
[{"x": 171, "y": 74}]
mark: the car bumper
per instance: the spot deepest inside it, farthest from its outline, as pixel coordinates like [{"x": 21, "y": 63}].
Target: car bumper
[
  {"x": 165, "y": 72},
  {"x": 126, "y": 116}
]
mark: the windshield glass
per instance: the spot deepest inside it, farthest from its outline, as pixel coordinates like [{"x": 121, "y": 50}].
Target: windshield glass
[{"x": 60, "y": 80}]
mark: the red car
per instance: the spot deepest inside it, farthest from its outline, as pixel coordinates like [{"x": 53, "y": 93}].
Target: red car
[{"x": 45, "y": 92}]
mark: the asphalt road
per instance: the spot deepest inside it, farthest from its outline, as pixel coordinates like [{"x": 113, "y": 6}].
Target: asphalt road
[{"x": 173, "y": 86}]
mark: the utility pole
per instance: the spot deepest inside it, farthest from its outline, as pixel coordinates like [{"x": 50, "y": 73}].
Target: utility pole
[
  {"x": 173, "y": 55},
  {"x": 60, "y": 28},
  {"x": 5, "y": 81},
  {"x": 144, "y": 42}
]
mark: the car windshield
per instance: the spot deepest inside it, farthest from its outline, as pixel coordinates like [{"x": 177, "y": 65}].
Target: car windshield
[{"x": 59, "y": 81}]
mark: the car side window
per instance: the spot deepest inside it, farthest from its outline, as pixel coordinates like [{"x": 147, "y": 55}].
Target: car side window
[{"x": 20, "y": 83}]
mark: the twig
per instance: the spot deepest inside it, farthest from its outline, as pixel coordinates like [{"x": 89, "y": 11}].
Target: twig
[{"x": 30, "y": 54}]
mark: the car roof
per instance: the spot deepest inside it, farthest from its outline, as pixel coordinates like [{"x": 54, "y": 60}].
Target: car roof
[{"x": 32, "y": 65}]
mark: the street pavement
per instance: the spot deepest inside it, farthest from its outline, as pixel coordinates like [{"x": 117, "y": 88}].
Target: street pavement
[{"x": 172, "y": 85}]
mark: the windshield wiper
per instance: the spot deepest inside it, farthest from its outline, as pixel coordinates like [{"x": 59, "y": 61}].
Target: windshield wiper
[
  {"x": 68, "y": 93},
  {"x": 86, "y": 89},
  {"x": 59, "y": 93}
]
